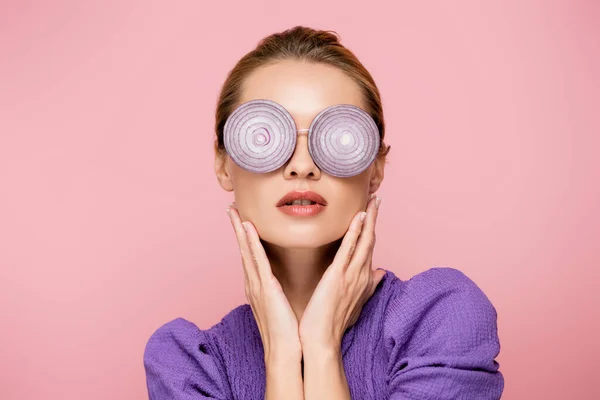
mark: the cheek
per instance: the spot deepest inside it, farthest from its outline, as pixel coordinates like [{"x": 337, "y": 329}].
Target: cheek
[
  {"x": 341, "y": 211},
  {"x": 254, "y": 195},
  {"x": 352, "y": 194},
  {"x": 350, "y": 197}
]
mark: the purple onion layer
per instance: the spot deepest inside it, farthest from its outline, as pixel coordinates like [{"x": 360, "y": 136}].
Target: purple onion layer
[
  {"x": 343, "y": 140},
  {"x": 260, "y": 136}
]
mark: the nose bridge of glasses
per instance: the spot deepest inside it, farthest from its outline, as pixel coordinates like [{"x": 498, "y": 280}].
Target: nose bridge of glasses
[{"x": 302, "y": 143}]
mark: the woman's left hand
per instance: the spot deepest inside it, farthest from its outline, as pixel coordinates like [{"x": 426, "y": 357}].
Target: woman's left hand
[{"x": 345, "y": 287}]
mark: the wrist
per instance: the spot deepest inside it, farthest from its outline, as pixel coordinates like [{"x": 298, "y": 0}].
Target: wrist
[
  {"x": 284, "y": 376},
  {"x": 283, "y": 357},
  {"x": 322, "y": 352},
  {"x": 325, "y": 369},
  {"x": 329, "y": 347}
]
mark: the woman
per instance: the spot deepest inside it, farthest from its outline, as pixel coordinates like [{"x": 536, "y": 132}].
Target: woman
[{"x": 300, "y": 134}]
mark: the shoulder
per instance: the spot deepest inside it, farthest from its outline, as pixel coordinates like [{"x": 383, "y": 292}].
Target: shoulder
[
  {"x": 438, "y": 285},
  {"x": 179, "y": 357},
  {"x": 176, "y": 331},
  {"x": 440, "y": 336},
  {"x": 177, "y": 344},
  {"x": 185, "y": 334},
  {"x": 441, "y": 304},
  {"x": 437, "y": 279}
]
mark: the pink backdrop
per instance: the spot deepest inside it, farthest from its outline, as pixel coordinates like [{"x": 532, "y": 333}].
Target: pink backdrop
[{"x": 112, "y": 222}]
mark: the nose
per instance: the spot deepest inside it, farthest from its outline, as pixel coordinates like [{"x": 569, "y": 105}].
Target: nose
[{"x": 301, "y": 164}]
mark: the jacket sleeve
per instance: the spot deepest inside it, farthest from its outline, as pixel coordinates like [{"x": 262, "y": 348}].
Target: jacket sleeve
[
  {"x": 442, "y": 340},
  {"x": 181, "y": 364}
]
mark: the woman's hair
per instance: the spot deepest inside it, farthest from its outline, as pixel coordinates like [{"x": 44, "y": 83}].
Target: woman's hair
[{"x": 303, "y": 44}]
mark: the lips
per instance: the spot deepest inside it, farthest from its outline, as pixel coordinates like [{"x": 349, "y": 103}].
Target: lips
[{"x": 297, "y": 195}]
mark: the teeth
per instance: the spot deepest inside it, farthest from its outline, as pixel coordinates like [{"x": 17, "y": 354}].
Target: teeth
[{"x": 301, "y": 202}]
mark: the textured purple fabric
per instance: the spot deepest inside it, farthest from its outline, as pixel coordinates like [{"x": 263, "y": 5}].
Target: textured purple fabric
[{"x": 433, "y": 336}]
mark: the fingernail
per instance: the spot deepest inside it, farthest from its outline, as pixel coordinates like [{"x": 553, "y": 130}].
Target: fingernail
[
  {"x": 362, "y": 216},
  {"x": 228, "y": 212},
  {"x": 377, "y": 202}
]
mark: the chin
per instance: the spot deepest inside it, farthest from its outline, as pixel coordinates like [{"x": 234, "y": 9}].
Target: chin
[
  {"x": 289, "y": 243},
  {"x": 306, "y": 237}
]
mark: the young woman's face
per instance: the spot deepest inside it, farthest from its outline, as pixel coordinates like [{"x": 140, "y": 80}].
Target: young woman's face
[{"x": 304, "y": 89}]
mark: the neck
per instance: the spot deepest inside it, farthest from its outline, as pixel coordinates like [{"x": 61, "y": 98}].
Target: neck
[{"x": 300, "y": 270}]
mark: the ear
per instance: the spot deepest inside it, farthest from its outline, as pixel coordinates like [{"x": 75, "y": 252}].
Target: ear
[
  {"x": 223, "y": 175},
  {"x": 376, "y": 175}
]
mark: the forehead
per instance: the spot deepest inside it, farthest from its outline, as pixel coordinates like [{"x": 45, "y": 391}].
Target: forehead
[{"x": 303, "y": 88}]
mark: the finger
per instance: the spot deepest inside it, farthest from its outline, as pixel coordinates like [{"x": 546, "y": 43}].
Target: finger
[
  {"x": 258, "y": 252},
  {"x": 366, "y": 240},
  {"x": 344, "y": 254},
  {"x": 377, "y": 275},
  {"x": 244, "y": 268},
  {"x": 245, "y": 251}
]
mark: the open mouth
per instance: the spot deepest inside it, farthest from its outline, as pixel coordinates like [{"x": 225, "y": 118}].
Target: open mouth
[
  {"x": 301, "y": 202},
  {"x": 304, "y": 198}
]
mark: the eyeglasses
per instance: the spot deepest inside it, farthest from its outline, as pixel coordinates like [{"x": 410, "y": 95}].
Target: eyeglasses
[{"x": 260, "y": 136}]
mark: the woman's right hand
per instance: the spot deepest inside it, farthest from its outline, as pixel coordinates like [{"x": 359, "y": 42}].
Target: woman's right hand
[{"x": 274, "y": 316}]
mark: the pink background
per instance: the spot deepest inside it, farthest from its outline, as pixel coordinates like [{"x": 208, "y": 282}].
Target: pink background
[{"x": 112, "y": 222}]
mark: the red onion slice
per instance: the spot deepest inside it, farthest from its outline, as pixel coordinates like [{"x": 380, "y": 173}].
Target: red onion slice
[
  {"x": 260, "y": 136},
  {"x": 343, "y": 140}
]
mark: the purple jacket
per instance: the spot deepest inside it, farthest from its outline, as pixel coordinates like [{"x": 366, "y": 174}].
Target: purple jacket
[{"x": 433, "y": 336}]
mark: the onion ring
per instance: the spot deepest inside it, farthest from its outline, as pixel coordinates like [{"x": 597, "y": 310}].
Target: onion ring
[
  {"x": 260, "y": 136},
  {"x": 343, "y": 140}
]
